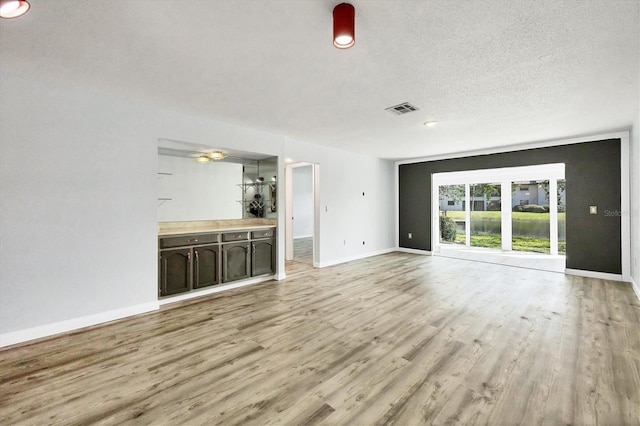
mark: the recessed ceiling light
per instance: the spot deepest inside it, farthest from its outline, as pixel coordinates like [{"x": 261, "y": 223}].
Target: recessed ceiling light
[
  {"x": 203, "y": 159},
  {"x": 288, "y": 160},
  {"x": 430, "y": 123}
]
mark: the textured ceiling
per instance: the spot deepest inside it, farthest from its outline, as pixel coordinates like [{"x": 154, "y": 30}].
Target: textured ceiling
[{"x": 492, "y": 73}]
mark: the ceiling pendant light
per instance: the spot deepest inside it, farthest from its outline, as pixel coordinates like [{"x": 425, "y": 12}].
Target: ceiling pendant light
[
  {"x": 344, "y": 28},
  {"x": 13, "y": 8},
  {"x": 217, "y": 155}
]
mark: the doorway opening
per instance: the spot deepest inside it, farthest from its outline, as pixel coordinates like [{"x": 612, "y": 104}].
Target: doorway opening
[
  {"x": 513, "y": 215},
  {"x": 301, "y": 245}
]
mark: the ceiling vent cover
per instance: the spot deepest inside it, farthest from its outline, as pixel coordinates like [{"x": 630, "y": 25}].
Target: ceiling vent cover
[{"x": 402, "y": 108}]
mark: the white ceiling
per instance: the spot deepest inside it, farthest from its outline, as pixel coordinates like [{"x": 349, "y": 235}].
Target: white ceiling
[{"x": 493, "y": 73}]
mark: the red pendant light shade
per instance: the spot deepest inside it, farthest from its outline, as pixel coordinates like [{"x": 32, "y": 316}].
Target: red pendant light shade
[
  {"x": 13, "y": 8},
  {"x": 344, "y": 27}
]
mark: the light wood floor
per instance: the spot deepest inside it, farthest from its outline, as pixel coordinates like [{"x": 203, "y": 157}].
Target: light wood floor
[
  {"x": 303, "y": 250},
  {"x": 302, "y": 257},
  {"x": 394, "y": 339},
  {"x": 539, "y": 261}
]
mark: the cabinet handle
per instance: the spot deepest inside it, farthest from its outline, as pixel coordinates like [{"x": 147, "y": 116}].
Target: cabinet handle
[
  {"x": 197, "y": 277},
  {"x": 253, "y": 257},
  {"x": 224, "y": 265},
  {"x": 164, "y": 275}
]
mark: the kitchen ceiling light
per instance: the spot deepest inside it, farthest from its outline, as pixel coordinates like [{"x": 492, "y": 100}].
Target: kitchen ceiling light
[
  {"x": 217, "y": 155},
  {"x": 13, "y": 8},
  {"x": 430, "y": 123},
  {"x": 203, "y": 159},
  {"x": 344, "y": 29}
]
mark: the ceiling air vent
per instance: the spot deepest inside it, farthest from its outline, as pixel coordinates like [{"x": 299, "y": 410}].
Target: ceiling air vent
[{"x": 402, "y": 108}]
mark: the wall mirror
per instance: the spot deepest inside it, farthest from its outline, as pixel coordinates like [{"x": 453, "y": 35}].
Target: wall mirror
[{"x": 197, "y": 182}]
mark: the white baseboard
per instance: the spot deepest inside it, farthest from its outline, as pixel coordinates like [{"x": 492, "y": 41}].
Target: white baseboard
[
  {"x": 415, "y": 251},
  {"x": 52, "y": 329},
  {"x": 349, "y": 259},
  {"x": 47, "y": 330},
  {"x": 215, "y": 289},
  {"x": 593, "y": 274},
  {"x": 636, "y": 288}
]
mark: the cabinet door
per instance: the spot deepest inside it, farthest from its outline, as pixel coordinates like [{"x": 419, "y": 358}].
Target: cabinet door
[
  {"x": 235, "y": 261},
  {"x": 262, "y": 257},
  {"x": 175, "y": 271},
  {"x": 206, "y": 266}
]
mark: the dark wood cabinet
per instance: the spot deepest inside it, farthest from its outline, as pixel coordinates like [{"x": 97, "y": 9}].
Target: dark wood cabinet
[
  {"x": 188, "y": 262},
  {"x": 198, "y": 260},
  {"x": 206, "y": 266},
  {"x": 263, "y": 257},
  {"x": 175, "y": 271},
  {"x": 236, "y": 261}
]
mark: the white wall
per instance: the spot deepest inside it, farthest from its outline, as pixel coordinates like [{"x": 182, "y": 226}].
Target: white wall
[
  {"x": 347, "y": 218},
  {"x": 634, "y": 171},
  {"x": 302, "y": 202},
  {"x": 198, "y": 191},
  {"x": 78, "y": 202},
  {"x": 635, "y": 203}
]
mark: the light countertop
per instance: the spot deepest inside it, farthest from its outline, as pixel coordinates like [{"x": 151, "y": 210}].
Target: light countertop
[{"x": 206, "y": 226}]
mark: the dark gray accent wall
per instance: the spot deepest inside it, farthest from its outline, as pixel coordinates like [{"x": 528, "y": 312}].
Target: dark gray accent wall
[{"x": 592, "y": 173}]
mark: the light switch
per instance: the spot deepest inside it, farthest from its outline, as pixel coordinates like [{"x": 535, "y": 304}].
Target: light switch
[{"x": 593, "y": 209}]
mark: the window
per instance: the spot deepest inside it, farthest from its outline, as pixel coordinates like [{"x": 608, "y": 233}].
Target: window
[{"x": 496, "y": 200}]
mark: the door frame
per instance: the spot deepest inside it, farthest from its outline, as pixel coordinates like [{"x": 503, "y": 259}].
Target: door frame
[{"x": 315, "y": 189}]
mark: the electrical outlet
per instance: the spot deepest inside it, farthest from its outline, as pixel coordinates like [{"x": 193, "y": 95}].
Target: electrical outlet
[
  {"x": 593, "y": 209},
  {"x": 410, "y": 235}
]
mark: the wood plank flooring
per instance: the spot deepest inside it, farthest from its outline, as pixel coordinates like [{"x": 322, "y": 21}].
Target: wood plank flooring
[
  {"x": 394, "y": 339},
  {"x": 303, "y": 250}
]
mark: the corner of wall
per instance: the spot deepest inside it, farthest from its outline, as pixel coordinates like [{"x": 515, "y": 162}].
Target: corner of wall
[{"x": 634, "y": 177}]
